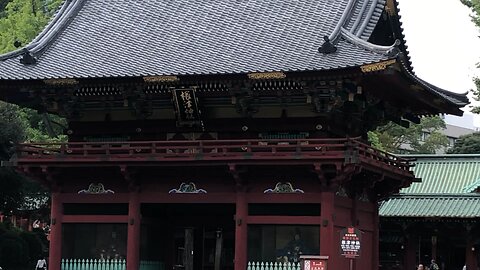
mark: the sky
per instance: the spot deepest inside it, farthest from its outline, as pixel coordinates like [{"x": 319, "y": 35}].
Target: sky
[{"x": 444, "y": 45}]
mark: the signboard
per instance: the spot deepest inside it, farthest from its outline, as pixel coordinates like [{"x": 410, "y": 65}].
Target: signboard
[
  {"x": 350, "y": 242},
  {"x": 186, "y": 106},
  {"x": 313, "y": 262}
]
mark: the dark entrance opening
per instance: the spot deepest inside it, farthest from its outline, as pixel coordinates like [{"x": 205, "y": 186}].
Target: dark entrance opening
[{"x": 189, "y": 236}]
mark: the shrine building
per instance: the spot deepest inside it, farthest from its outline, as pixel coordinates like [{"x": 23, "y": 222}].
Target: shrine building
[
  {"x": 218, "y": 134},
  {"x": 436, "y": 218}
]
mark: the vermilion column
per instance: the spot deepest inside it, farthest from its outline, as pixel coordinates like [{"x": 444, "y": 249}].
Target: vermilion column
[
  {"x": 241, "y": 231},
  {"x": 376, "y": 238},
  {"x": 409, "y": 248},
  {"x": 470, "y": 254},
  {"x": 327, "y": 231},
  {"x": 55, "y": 250},
  {"x": 133, "y": 239}
]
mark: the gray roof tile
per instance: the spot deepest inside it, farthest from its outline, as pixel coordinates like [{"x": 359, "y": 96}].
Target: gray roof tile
[{"x": 112, "y": 38}]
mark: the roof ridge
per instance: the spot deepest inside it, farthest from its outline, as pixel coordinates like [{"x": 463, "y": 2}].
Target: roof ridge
[
  {"x": 346, "y": 13},
  {"x": 48, "y": 34},
  {"x": 434, "y": 195},
  {"x": 386, "y": 50},
  {"x": 472, "y": 186},
  {"x": 367, "y": 19},
  {"x": 358, "y": 19},
  {"x": 437, "y": 156}
]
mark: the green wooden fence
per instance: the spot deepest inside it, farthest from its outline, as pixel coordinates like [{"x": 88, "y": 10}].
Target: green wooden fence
[
  {"x": 272, "y": 266},
  {"x": 93, "y": 264}
]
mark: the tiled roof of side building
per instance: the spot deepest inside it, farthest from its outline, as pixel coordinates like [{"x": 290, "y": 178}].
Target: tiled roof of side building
[
  {"x": 443, "y": 174},
  {"x": 113, "y": 38},
  {"x": 447, "y": 189},
  {"x": 432, "y": 206}
]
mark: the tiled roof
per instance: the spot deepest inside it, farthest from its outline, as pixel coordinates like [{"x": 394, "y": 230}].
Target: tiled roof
[
  {"x": 432, "y": 205},
  {"x": 110, "y": 38},
  {"x": 445, "y": 190},
  {"x": 444, "y": 174}
]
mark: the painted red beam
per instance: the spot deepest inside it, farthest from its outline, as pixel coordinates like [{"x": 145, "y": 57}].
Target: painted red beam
[
  {"x": 152, "y": 197},
  {"x": 94, "y": 198},
  {"x": 95, "y": 219},
  {"x": 291, "y": 220},
  {"x": 284, "y": 198}
]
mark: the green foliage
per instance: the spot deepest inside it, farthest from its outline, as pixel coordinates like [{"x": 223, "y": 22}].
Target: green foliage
[
  {"x": 475, "y": 6},
  {"x": 12, "y": 128},
  {"x": 476, "y": 94},
  {"x": 18, "y": 125},
  {"x": 13, "y": 250},
  {"x": 22, "y": 20},
  {"x": 394, "y": 138},
  {"x": 467, "y": 144},
  {"x": 19, "y": 249}
]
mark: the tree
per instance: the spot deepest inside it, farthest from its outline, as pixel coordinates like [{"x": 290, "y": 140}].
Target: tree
[
  {"x": 19, "y": 125},
  {"x": 423, "y": 138},
  {"x": 474, "y": 5},
  {"x": 466, "y": 144},
  {"x": 22, "y": 20}
]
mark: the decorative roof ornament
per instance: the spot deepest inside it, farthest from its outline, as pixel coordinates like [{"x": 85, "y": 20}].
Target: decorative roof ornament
[
  {"x": 188, "y": 188},
  {"x": 17, "y": 44},
  {"x": 97, "y": 188},
  {"x": 283, "y": 187},
  {"x": 327, "y": 47},
  {"x": 27, "y": 57},
  {"x": 342, "y": 192},
  {"x": 395, "y": 50}
]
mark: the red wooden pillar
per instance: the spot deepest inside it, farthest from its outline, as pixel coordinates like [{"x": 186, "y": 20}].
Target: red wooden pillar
[
  {"x": 376, "y": 239},
  {"x": 55, "y": 250},
  {"x": 434, "y": 247},
  {"x": 409, "y": 252},
  {"x": 327, "y": 228},
  {"x": 133, "y": 239},
  {"x": 470, "y": 254},
  {"x": 241, "y": 231}
]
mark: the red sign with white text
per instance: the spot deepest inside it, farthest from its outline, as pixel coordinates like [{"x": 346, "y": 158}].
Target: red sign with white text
[{"x": 314, "y": 264}]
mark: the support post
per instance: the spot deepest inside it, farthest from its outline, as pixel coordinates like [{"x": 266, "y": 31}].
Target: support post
[
  {"x": 409, "y": 252},
  {"x": 241, "y": 230},
  {"x": 376, "y": 239},
  {"x": 327, "y": 228},
  {"x": 133, "y": 238},
  {"x": 470, "y": 254},
  {"x": 434, "y": 247},
  {"x": 55, "y": 250}
]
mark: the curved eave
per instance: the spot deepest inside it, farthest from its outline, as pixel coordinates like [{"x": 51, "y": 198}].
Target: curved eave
[
  {"x": 397, "y": 24},
  {"x": 455, "y": 100},
  {"x": 59, "y": 21}
]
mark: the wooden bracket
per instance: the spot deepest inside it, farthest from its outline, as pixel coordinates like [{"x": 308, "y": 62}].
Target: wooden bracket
[
  {"x": 133, "y": 185},
  {"x": 239, "y": 181}
]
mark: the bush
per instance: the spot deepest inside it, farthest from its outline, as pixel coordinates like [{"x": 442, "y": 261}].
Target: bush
[
  {"x": 13, "y": 251},
  {"x": 19, "y": 249}
]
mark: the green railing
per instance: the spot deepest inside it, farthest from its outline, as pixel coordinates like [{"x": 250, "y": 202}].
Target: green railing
[
  {"x": 272, "y": 266},
  {"x": 93, "y": 264}
]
